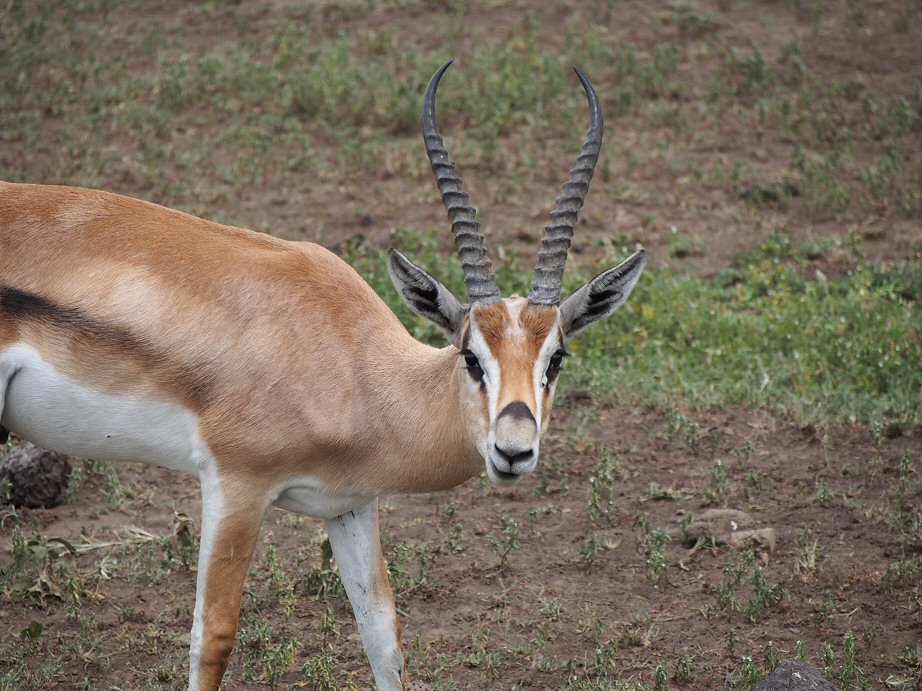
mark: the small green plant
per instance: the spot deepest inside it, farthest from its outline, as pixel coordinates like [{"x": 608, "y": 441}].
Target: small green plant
[
  {"x": 681, "y": 430},
  {"x": 824, "y": 608},
  {"x": 452, "y": 530},
  {"x": 113, "y": 490},
  {"x": 603, "y": 663},
  {"x": 535, "y": 513},
  {"x": 656, "y": 492},
  {"x": 602, "y": 490},
  {"x": 509, "y": 539},
  {"x": 715, "y": 489},
  {"x": 592, "y": 547},
  {"x": 549, "y": 480},
  {"x": 683, "y": 668},
  {"x": 771, "y": 656},
  {"x": 743, "y": 454},
  {"x": 750, "y": 672},
  {"x": 807, "y": 555},
  {"x": 910, "y": 659},
  {"x": 38, "y": 570},
  {"x": 454, "y": 537},
  {"x": 408, "y": 568},
  {"x": 74, "y": 482},
  {"x": 551, "y": 609},
  {"x": 317, "y": 671},
  {"x": 268, "y": 651},
  {"x": 692, "y": 22},
  {"x": 638, "y": 631},
  {"x": 822, "y": 188},
  {"x": 281, "y": 587},
  {"x": 764, "y": 595},
  {"x": 756, "y": 484},
  {"x": 849, "y": 674},
  {"x": 651, "y": 542},
  {"x": 824, "y": 495},
  {"x": 734, "y": 570},
  {"x": 323, "y": 580}
]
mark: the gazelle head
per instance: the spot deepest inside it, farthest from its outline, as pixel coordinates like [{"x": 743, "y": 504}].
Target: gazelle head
[{"x": 511, "y": 350}]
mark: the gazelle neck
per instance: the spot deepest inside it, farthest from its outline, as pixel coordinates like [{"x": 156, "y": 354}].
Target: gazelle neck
[{"x": 421, "y": 433}]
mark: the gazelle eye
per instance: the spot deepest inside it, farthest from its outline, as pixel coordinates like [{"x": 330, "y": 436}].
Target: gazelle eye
[
  {"x": 473, "y": 365},
  {"x": 553, "y": 367}
]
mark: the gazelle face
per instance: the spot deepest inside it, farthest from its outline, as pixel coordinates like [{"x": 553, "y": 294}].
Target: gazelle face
[
  {"x": 511, "y": 354},
  {"x": 511, "y": 350}
]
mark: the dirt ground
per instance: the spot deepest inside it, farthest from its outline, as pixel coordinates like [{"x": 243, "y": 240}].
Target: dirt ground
[
  {"x": 465, "y": 594},
  {"x": 549, "y": 612}
]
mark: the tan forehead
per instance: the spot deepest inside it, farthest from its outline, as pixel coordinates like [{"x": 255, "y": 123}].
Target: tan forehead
[{"x": 515, "y": 328}]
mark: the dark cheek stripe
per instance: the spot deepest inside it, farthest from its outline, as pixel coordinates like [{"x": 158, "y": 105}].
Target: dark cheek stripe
[{"x": 21, "y": 306}]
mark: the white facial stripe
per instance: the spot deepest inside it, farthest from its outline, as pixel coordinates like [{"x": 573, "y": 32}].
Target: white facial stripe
[
  {"x": 548, "y": 348},
  {"x": 490, "y": 367}
]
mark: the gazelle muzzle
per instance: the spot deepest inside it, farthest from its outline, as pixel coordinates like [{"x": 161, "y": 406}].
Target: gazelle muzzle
[{"x": 515, "y": 441}]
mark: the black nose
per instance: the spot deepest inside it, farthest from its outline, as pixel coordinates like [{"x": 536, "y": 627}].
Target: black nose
[{"x": 513, "y": 457}]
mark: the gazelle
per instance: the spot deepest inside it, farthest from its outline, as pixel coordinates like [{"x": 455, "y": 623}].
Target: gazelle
[{"x": 272, "y": 372}]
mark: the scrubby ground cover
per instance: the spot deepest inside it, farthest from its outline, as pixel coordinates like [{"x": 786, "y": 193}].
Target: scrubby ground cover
[{"x": 767, "y": 154}]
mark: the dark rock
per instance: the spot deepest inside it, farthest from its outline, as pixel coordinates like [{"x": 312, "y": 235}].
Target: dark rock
[
  {"x": 795, "y": 675},
  {"x": 37, "y": 478}
]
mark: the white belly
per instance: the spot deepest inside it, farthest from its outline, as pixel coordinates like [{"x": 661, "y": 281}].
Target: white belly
[
  {"x": 57, "y": 413},
  {"x": 308, "y": 496}
]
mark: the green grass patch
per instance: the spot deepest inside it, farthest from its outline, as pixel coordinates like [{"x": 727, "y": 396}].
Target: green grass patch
[{"x": 768, "y": 332}]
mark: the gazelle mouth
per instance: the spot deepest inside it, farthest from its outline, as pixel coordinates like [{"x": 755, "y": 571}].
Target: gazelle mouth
[{"x": 503, "y": 475}]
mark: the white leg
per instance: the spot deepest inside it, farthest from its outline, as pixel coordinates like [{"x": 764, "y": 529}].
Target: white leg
[
  {"x": 6, "y": 373},
  {"x": 356, "y": 545},
  {"x": 7, "y": 370},
  {"x": 232, "y": 513},
  {"x": 212, "y": 509}
]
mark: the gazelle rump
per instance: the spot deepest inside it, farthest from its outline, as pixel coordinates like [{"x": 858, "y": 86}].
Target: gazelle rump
[{"x": 271, "y": 371}]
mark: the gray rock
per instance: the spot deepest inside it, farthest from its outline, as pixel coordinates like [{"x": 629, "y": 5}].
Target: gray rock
[
  {"x": 731, "y": 527},
  {"x": 37, "y": 478},
  {"x": 795, "y": 675}
]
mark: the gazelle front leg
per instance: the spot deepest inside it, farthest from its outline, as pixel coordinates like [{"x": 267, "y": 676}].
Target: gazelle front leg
[
  {"x": 356, "y": 545},
  {"x": 232, "y": 513}
]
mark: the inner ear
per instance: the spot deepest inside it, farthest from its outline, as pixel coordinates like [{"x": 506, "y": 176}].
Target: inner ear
[
  {"x": 601, "y": 296},
  {"x": 426, "y": 296}
]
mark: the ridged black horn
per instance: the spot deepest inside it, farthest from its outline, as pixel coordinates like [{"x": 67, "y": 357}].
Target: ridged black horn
[
  {"x": 481, "y": 283},
  {"x": 545, "y": 288}
]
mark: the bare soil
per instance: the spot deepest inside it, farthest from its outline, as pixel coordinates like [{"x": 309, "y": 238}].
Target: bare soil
[{"x": 466, "y": 592}]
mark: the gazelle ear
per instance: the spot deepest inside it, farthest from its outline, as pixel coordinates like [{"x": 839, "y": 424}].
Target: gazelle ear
[
  {"x": 426, "y": 296},
  {"x": 601, "y": 296}
]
